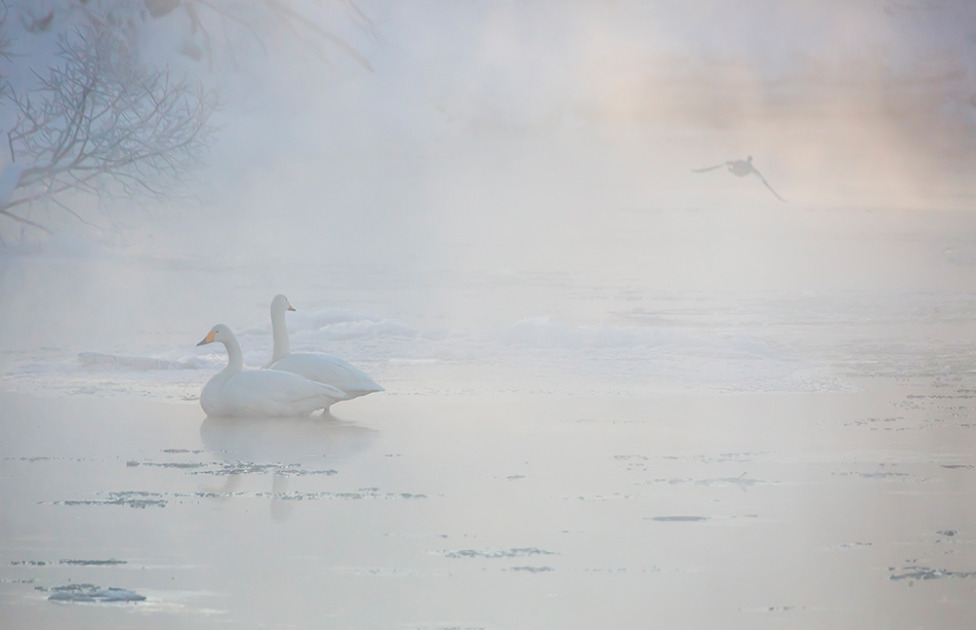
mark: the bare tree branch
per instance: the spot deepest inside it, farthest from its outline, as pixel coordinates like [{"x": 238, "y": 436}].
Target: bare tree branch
[
  {"x": 20, "y": 219},
  {"x": 251, "y": 17},
  {"x": 98, "y": 117},
  {"x": 100, "y": 122}
]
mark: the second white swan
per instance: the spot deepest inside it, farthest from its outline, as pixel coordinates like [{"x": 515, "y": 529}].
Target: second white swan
[{"x": 317, "y": 366}]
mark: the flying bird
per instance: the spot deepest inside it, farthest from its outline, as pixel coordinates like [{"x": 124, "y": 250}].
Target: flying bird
[{"x": 741, "y": 168}]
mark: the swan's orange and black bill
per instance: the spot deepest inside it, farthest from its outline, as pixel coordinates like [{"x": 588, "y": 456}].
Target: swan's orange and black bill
[{"x": 208, "y": 339}]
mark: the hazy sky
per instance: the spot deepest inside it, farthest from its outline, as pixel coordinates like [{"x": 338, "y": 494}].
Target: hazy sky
[{"x": 833, "y": 88}]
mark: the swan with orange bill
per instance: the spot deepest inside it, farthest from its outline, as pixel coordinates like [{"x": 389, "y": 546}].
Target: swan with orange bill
[{"x": 235, "y": 391}]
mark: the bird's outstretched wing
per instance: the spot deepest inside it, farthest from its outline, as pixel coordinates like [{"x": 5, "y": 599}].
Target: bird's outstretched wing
[
  {"x": 705, "y": 170},
  {"x": 766, "y": 184}
]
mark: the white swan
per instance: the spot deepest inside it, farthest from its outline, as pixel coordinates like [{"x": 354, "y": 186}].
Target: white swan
[
  {"x": 236, "y": 392},
  {"x": 317, "y": 366}
]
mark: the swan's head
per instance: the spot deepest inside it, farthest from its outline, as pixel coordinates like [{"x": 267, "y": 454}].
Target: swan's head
[
  {"x": 219, "y": 333},
  {"x": 280, "y": 304}
]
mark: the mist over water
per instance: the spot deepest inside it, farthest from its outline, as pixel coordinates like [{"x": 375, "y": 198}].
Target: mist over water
[
  {"x": 506, "y": 163},
  {"x": 615, "y": 388}
]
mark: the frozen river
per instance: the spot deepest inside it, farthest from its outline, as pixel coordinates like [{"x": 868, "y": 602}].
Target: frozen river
[
  {"x": 619, "y": 393},
  {"x": 699, "y": 416},
  {"x": 731, "y": 510}
]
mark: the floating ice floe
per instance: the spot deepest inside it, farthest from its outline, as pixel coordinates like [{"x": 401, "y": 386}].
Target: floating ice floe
[{"x": 89, "y": 593}]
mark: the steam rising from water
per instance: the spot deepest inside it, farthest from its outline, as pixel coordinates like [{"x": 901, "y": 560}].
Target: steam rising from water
[{"x": 510, "y": 161}]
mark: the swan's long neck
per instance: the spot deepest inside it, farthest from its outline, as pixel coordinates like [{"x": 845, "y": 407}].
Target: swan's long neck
[
  {"x": 280, "y": 332},
  {"x": 235, "y": 358}
]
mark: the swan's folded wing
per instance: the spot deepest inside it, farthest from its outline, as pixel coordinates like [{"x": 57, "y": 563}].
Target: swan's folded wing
[
  {"x": 278, "y": 393},
  {"x": 328, "y": 369}
]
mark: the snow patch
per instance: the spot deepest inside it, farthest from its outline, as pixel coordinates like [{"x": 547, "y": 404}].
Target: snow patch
[{"x": 106, "y": 361}]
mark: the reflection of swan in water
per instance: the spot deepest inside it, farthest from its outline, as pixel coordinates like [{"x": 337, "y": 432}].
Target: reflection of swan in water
[
  {"x": 741, "y": 168},
  {"x": 298, "y": 441},
  {"x": 283, "y": 446}
]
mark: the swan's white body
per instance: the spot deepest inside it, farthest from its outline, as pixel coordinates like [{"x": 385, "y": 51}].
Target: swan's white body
[
  {"x": 236, "y": 392},
  {"x": 317, "y": 366}
]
